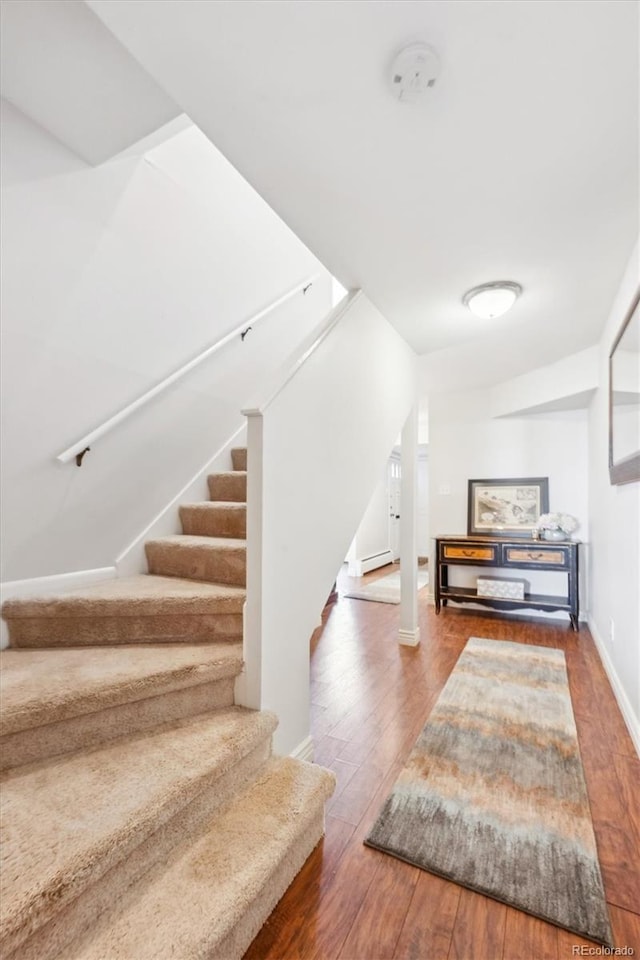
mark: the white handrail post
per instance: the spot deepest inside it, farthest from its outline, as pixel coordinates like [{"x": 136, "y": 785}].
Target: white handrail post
[
  {"x": 249, "y": 684},
  {"x": 409, "y": 632}
]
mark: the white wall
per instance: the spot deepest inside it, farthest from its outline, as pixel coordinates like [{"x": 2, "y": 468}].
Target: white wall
[
  {"x": 554, "y": 384},
  {"x": 56, "y": 56},
  {"x": 112, "y": 278},
  {"x": 465, "y": 442},
  {"x": 615, "y": 535},
  {"x": 372, "y": 535},
  {"x": 317, "y": 448},
  {"x": 422, "y": 505}
]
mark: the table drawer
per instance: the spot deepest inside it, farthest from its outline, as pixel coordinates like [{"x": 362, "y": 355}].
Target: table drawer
[
  {"x": 545, "y": 556},
  {"x": 463, "y": 551}
]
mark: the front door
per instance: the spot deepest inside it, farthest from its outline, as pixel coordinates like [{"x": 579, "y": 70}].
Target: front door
[{"x": 394, "y": 507}]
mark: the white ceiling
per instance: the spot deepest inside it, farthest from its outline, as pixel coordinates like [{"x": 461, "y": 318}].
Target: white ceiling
[
  {"x": 521, "y": 165},
  {"x": 65, "y": 70}
]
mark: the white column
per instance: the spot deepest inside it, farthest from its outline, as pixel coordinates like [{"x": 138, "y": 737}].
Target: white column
[{"x": 409, "y": 633}]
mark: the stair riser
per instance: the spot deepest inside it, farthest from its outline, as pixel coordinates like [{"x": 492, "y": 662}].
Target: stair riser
[
  {"x": 239, "y": 458},
  {"x": 214, "y": 522},
  {"x": 225, "y": 486},
  {"x": 236, "y": 944},
  {"x": 211, "y": 565},
  {"x": 92, "y": 729},
  {"x": 51, "y": 939},
  {"x": 93, "y": 631}
]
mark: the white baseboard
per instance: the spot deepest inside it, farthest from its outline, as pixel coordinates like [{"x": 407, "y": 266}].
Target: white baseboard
[
  {"x": 358, "y": 568},
  {"x": 133, "y": 559},
  {"x": 409, "y": 638},
  {"x": 304, "y": 750},
  {"x": 49, "y": 586},
  {"x": 631, "y": 720}
]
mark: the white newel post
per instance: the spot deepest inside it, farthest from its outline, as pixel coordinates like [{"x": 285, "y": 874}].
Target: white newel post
[
  {"x": 248, "y": 691},
  {"x": 409, "y": 633}
]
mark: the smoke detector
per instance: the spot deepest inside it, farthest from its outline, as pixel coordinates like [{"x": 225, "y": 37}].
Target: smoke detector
[{"x": 415, "y": 70}]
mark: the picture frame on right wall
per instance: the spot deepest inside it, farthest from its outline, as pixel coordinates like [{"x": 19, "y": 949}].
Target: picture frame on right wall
[{"x": 624, "y": 399}]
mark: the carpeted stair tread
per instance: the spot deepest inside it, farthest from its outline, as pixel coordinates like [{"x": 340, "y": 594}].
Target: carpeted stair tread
[
  {"x": 69, "y": 821},
  {"x": 45, "y": 686},
  {"x": 209, "y": 559},
  {"x": 214, "y": 519},
  {"x": 231, "y": 485},
  {"x": 239, "y": 458},
  {"x": 212, "y": 897},
  {"x": 143, "y": 595}
]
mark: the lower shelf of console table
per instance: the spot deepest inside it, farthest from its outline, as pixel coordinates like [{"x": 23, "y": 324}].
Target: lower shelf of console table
[{"x": 510, "y": 555}]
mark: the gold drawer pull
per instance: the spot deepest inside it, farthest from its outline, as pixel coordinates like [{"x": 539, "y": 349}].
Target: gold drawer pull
[
  {"x": 453, "y": 551},
  {"x": 547, "y": 557}
]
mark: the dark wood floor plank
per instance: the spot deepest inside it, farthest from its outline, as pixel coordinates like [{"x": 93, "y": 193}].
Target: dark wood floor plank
[
  {"x": 527, "y": 937},
  {"x": 359, "y": 747},
  {"x": 345, "y": 773},
  {"x": 329, "y": 925},
  {"x": 570, "y": 944},
  {"x": 479, "y": 928},
  {"x": 626, "y": 929},
  {"x": 355, "y": 798},
  {"x": 428, "y": 926},
  {"x": 378, "y": 923},
  {"x": 373, "y": 699},
  {"x": 592, "y": 696},
  {"x": 628, "y": 771},
  {"x": 618, "y": 865},
  {"x": 614, "y": 808},
  {"x": 328, "y": 748}
]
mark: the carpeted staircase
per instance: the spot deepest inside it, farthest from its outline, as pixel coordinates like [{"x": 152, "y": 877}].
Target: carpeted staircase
[{"x": 144, "y": 816}]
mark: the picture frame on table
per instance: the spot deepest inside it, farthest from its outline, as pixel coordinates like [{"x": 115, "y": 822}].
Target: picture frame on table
[{"x": 509, "y": 507}]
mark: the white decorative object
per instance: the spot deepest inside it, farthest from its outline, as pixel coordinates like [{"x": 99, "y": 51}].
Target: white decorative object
[
  {"x": 556, "y": 526},
  {"x": 504, "y": 588},
  {"x": 553, "y": 535}
]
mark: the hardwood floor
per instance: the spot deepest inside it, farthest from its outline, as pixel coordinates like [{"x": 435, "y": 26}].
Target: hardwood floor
[{"x": 370, "y": 700}]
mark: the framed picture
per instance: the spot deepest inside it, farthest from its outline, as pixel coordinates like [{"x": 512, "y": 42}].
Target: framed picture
[{"x": 506, "y": 508}]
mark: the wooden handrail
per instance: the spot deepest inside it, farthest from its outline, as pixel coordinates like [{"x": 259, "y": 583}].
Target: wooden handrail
[{"x": 78, "y": 449}]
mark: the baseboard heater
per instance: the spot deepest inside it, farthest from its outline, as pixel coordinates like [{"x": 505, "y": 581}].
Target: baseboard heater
[{"x": 364, "y": 564}]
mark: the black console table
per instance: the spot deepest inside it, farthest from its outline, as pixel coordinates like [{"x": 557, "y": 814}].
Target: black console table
[{"x": 515, "y": 554}]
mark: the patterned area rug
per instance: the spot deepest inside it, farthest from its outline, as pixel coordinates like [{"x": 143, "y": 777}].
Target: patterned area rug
[
  {"x": 386, "y": 589},
  {"x": 493, "y": 795}
]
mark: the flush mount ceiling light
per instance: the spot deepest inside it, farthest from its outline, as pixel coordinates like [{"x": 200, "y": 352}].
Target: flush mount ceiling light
[{"x": 491, "y": 300}]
